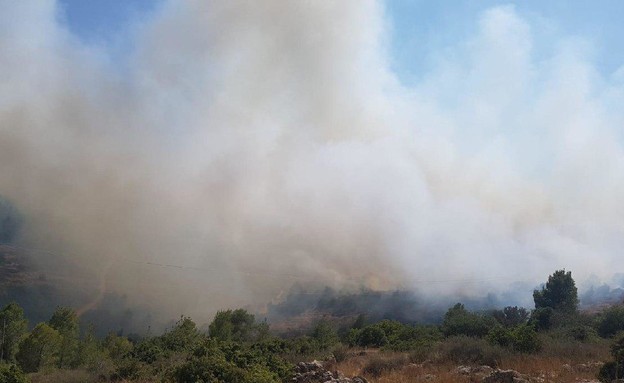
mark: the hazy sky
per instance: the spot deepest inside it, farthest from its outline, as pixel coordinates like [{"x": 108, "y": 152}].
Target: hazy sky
[
  {"x": 419, "y": 28},
  {"x": 448, "y": 147}
]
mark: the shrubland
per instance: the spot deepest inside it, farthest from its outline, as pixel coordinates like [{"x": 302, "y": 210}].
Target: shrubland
[{"x": 238, "y": 348}]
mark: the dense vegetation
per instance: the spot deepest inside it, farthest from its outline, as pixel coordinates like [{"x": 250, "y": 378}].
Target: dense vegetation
[{"x": 237, "y": 348}]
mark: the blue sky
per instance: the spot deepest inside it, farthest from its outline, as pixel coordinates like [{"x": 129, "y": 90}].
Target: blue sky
[{"x": 419, "y": 27}]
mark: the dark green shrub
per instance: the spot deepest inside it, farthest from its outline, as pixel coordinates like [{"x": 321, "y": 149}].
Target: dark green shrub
[
  {"x": 149, "y": 350},
  {"x": 414, "y": 337},
  {"x": 522, "y": 338},
  {"x": 208, "y": 369},
  {"x": 184, "y": 336},
  {"x": 303, "y": 345},
  {"x": 459, "y": 321},
  {"x": 611, "y": 322},
  {"x": 324, "y": 334},
  {"x": 237, "y": 325},
  {"x": 614, "y": 369},
  {"x": 511, "y": 316},
  {"x": 353, "y": 337},
  {"x": 10, "y": 373},
  {"x": 542, "y": 318},
  {"x": 501, "y": 336},
  {"x": 525, "y": 340},
  {"x": 130, "y": 369},
  {"x": 611, "y": 371},
  {"x": 581, "y": 333},
  {"x": 229, "y": 362},
  {"x": 372, "y": 336}
]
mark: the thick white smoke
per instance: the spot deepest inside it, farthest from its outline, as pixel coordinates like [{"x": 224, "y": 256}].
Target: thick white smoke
[{"x": 257, "y": 144}]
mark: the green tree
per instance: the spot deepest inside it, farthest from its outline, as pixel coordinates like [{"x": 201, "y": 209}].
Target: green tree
[
  {"x": 325, "y": 334},
  {"x": 511, "y": 316},
  {"x": 13, "y": 326},
  {"x": 90, "y": 351},
  {"x": 39, "y": 348},
  {"x": 183, "y": 336},
  {"x": 235, "y": 325},
  {"x": 559, "y": 293},
  {"x": 65, "y": 321},
  {"x": 117, "y": 347},
  {"x": 459, "y": 321}
]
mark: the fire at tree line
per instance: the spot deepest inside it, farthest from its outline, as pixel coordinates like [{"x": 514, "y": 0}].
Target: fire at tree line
[{"x": 239, "y": 348}]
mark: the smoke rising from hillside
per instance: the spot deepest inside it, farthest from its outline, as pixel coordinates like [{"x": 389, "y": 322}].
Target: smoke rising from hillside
[{"x": 244, "y": 146}]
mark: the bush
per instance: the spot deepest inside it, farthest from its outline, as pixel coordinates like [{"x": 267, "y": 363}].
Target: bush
[
  {"x": 610, "y": 371},
  {"x": 10, "y": 373},
  {"x": 303, "y": 345},
  {"x": 396, "y": 336},
  {"x": 611, "y": 322},
  {"x": 466, "y": 350},
  {"x": 501, "y": 336},
  {"x": 372, "y": 336},
  {"x": 237, "y": 325},
  {"x": 581, "y": 333},
  {"x": 459, "y": 321},
  {"x": 525, "y": 340},
  {"x": 149, "y": 351},
  {"x": 219, "y": 362},
  {"x": 210, "y": 368},
  {"x": 184, "y": 336},
  {"x": 324, "y": 334},
  {"x": 511, "y": 316},
  {"x": 614, "y": 369},
  {"x": 542, "y": 318},
  {"x": 130, "y": 369}
]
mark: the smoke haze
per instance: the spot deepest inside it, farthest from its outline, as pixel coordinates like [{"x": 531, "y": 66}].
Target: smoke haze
[{"x": 244, "y": 146}]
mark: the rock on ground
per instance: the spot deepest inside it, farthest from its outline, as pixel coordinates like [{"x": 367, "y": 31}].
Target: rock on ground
[
  {"x": 314, "y": 372},
  {"x": 505, "y": 376}
]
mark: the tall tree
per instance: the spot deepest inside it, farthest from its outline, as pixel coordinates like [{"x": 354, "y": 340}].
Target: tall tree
[
  {"x": 39, "y": 348},
  {"x": 13, "y": 326},
  {"x": 559, "y": 293},
  {"x": 65, "y": 321}
]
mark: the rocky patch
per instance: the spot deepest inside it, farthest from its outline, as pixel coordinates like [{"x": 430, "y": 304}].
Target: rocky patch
[{"x": 314, "y": 372}]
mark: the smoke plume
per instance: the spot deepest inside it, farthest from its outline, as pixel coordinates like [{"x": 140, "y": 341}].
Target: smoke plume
[{"x": 241, "y": 147}]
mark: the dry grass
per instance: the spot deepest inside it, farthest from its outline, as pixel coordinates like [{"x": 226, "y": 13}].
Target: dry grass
[{"x": 571, "y": 367}]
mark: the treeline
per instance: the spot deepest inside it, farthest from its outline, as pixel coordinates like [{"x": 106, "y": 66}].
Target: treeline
[{"x": 237, "y": 348}]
